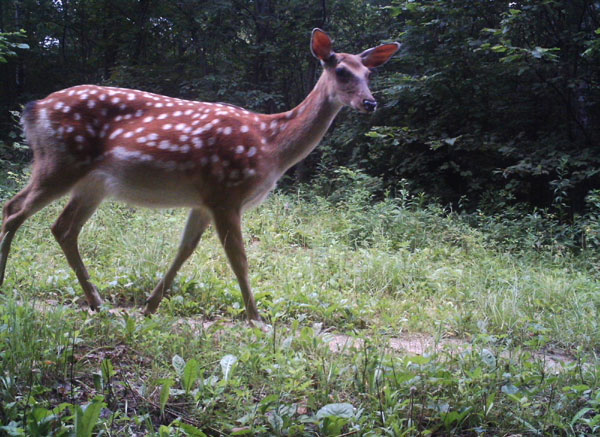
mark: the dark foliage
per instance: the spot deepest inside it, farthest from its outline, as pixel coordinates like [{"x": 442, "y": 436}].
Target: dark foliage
[{"x": 488, "y": 104}]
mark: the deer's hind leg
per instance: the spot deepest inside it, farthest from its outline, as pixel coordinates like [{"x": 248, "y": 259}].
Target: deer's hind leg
[
  {"x": 84, "y": 201},
  {"x": 23, "y": 205}
]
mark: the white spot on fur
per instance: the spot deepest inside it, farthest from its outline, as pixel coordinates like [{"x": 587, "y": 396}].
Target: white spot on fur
[
  {"x": 227, "y": 130},
  {"x": 122, "y": 153},
  {"x": 240, "y": 149},
  {"x": 167, "y": 126},
  {"x": 115, "y": 134},
  {"x": 251, "y": 151},
  {"x": 91, "y": 103}
]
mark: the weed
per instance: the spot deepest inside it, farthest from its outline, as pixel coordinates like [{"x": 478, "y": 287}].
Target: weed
[{"x": 350, "y": 264}]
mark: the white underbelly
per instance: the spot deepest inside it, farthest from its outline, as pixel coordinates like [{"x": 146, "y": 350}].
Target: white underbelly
[{"x": 162, "y": 190}]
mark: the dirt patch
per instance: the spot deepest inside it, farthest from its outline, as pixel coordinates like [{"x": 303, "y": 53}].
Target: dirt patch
[{"x": 423, "y": 344}]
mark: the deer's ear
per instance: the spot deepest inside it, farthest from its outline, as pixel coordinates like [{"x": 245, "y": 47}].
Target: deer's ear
[
  {"x": 379, "y": 55},
  {"x": 320, "y": 45}
]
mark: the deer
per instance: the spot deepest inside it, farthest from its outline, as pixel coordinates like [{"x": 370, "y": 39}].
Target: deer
[{"x": 97, "y": 142}]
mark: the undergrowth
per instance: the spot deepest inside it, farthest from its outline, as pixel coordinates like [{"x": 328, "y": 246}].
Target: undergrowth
[{"x": 521, "y": 302}]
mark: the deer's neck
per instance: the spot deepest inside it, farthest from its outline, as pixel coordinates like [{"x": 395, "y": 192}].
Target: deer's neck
[{"x": 300, "y": 129}]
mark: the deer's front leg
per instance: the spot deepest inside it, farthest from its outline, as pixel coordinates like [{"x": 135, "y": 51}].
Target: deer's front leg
[
  {"x": 228, "y": 224},
  {"x": 197, "y": 222}
]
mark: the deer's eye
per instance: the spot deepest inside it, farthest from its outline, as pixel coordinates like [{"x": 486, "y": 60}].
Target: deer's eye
[{"x": 343, "y": 74}]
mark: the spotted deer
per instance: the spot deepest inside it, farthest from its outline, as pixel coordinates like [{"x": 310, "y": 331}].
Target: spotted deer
[{"x": 152, "y": 150}]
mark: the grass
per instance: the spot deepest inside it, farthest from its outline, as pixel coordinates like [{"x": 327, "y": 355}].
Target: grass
[{"x": 372, "y": 271}]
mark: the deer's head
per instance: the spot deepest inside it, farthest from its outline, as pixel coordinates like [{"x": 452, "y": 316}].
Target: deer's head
[{"x": 348, "y": 75}]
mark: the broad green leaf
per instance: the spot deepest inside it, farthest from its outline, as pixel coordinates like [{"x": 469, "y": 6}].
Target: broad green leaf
[
  {"x": 579, "y": 415},
  {"x": 488, "y": 357},
  {"x": 178, "y": 364},
  {"x": 190, "y": 430},
  {"x": 13, "y": 429},
  {"x": 509, "y": 389},
  {"x": 344, "y": 410},
  {"x": 164, "y": 392},
  {"x": 190, "y": 374},
  {"x": 86, "y": 418},
  {"x": 275, "y": 421},
  {"x": 227, "y": 363},
  {"x": 108, "y": 370}
]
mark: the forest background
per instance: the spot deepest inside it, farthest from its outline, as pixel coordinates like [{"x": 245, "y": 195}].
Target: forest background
[{"x": 489, "y": 106}]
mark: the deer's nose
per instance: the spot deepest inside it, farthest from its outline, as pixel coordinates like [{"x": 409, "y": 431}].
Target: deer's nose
[{"x": 370, "y": 105}]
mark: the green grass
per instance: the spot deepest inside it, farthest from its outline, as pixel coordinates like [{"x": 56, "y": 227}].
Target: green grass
[{"x": 370, "y": 270}]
